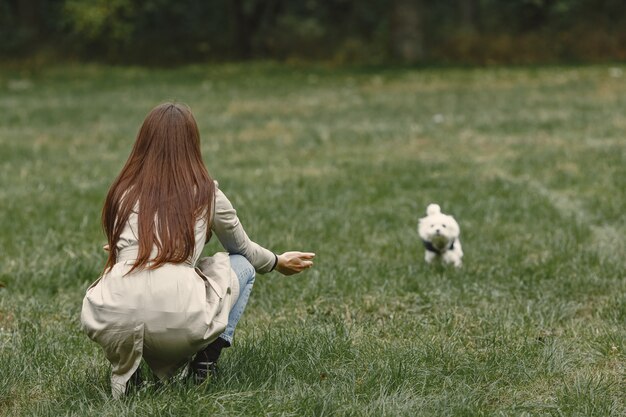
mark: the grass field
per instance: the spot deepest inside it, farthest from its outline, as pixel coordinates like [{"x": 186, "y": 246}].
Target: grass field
[{"x": 532, "y": 163}]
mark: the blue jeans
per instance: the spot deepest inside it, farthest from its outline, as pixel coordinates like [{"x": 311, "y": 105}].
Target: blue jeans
[{"x": 245, "y": 274}]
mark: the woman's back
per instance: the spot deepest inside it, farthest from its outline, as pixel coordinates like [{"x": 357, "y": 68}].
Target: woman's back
[{"x": 127, "y": 245}]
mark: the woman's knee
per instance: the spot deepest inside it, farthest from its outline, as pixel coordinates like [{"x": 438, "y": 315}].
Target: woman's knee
[{"x": 243, "y": 267}]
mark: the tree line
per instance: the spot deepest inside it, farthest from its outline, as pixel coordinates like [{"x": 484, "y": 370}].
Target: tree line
[{"x": 366, "y": 31}]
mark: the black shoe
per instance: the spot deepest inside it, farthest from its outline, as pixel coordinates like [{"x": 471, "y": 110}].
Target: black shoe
[
  {"x": 202, "y": 371},
  {"x": 204, "y": 365}
]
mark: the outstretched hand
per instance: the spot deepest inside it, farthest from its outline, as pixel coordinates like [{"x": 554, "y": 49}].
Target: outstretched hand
[{"x": 290, "y": 263}]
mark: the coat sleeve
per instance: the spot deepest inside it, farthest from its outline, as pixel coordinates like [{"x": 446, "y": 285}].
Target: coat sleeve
[{"x": 233, "y": 237}]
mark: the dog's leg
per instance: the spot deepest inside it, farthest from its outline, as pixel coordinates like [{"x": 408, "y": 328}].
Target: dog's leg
[
  {"x": 458, "y": 249},
  {"x": 429, "y": 256},
  {"x": 458, "y": 254},
  {"x": 452, "y": 258}
]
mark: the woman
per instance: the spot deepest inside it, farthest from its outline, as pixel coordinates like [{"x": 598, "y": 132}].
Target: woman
[{"x": 151, "y": 302}]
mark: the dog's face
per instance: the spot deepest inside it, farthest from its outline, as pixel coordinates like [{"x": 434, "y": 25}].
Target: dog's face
[{"x": 439, "y": 229}]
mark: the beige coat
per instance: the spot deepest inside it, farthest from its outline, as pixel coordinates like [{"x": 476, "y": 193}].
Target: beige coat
[{"x": 168, "y": 314}]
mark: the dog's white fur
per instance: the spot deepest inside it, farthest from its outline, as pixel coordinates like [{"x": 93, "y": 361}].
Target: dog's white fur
[{"x": 440, "y": 232}]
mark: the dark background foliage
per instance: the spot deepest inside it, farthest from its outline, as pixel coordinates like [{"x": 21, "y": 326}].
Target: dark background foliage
[{"x": 374, "y": 31}]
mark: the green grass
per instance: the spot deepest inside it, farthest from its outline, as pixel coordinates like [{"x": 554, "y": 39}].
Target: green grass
[{"x": 532, "y": 163}]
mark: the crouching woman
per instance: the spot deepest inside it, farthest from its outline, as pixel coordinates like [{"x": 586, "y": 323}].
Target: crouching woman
[{"x": 156, "y": 300}]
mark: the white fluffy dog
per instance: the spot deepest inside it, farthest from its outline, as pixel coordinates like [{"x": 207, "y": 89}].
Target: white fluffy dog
[{"x": 440, "y": 235}]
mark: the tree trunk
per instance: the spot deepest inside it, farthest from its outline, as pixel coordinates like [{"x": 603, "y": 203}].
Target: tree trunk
[
  {"x": 467, "y": 12},
  {"x": 406, "y": 29},
  {"x": 247, "y": 24},
  {"x": 28, "y": 17},
  {"x": 242, "y": 34}
]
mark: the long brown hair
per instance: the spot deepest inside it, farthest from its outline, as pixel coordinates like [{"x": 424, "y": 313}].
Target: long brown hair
[{"x": 164, "y": 180}]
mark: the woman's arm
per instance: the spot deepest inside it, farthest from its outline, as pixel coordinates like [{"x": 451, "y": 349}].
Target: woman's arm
[{"x": 232, "y": 236}]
